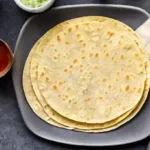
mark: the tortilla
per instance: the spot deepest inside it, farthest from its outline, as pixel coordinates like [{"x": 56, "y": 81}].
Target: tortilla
[
  {"x": 72, "y": 68},
  {"x": 49, "y": 111}
]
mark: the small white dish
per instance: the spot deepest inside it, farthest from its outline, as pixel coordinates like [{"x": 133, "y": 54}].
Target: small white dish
[{"x": 34, "y": 10}]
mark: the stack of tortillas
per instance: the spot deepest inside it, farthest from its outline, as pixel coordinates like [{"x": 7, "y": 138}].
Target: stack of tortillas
[{"x": 88, "y": 74}]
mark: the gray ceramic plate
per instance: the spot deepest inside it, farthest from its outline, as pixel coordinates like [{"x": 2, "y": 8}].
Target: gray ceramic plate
[{"x": 137, "y": 129}]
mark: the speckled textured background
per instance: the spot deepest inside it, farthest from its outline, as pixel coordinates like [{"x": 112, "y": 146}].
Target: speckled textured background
[{"x": 14, "y": 135}]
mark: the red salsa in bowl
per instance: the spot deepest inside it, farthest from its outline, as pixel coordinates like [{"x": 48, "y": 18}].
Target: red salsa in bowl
[{"x": 6, "y": 58}]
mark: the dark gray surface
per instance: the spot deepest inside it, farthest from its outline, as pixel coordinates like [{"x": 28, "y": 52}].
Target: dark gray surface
[
  {"x": 38, "y": 25},
  {"x": 13, "y": 133}
]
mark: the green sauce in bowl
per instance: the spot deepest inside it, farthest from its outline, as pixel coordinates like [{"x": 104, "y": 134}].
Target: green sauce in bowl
[{"x": 34, "y": 3}]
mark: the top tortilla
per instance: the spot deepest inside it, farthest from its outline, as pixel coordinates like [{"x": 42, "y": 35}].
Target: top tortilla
[{"x": 80, "y": 108}]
